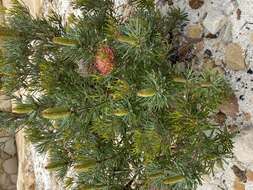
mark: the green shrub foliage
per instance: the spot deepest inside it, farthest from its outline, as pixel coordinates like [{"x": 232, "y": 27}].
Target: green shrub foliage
[{"x": 103, "y": 98}]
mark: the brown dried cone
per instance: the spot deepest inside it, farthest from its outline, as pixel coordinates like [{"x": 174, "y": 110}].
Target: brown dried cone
[{"x": 104, "y": 61}]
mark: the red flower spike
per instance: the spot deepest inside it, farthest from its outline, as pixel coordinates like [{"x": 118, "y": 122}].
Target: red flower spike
[{"x": 104, "y": 60}]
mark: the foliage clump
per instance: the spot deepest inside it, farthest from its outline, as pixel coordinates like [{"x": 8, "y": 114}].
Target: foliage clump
[{"x": 103, "y": 98}]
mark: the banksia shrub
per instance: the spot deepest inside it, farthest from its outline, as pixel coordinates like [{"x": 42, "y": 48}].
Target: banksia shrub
[{"x": 132, "y": 120}]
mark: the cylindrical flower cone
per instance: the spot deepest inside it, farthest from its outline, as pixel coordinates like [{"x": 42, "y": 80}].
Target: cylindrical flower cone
[
  {"x": 173, "y": 180},
  {"x": 55, "y": 113},
  {"x": 23, "y": 108},
  {"x": 148, "y": 92},
  {"x": 64, "y": 41},
  {"x": 104, "y": 61}
]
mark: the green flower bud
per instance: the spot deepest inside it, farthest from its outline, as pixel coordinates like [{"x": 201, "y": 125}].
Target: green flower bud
[
  {"x": 55, "y": 113},
  {"x": 173, "y": 180},
  {"x": 120, "y": 112},
  {"x": 85, "y": 166},
  {"x": 64, "y": 41},
  {"x": 23, "y": 108},
  {"x": 148, "y": 92},
  {"x": 55, "y": 165}
]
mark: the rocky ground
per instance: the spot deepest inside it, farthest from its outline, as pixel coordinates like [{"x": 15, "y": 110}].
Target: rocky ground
[
  {"x": 224, "y": 34},
  {"x": 8, "y": 161},
  {"x": 225, "y": 28}
]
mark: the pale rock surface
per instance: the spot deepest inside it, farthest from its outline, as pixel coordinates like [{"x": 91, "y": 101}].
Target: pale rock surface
[
  {"x": 10, "y": 147},
  {"x": 234, "y": 57},
  {"x": 238, "y": 185},
  {"x": 251, "y": 38},
  {"x": 10, "y": 166},
  {"x": 4, "y": 180},
  {"x": 231, "y": 28},
  {"x": 243, "y": 147},
  {"x": 32, "y": 174},
  {"x": 14, "y": 178},
  {"x": 214, "y": 21},
  {"x": 8, "y": 157},
  {"x": 26, "y": 176},
  {"x": 5, "y": 103}
]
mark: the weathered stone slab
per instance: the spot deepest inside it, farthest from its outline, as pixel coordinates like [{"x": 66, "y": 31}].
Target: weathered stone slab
[{"x": 10, "y": 166}]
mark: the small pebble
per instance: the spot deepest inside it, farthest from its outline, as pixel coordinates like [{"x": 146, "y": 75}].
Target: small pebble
[
  {"x": 238, "y": 79},
  {"x": 238, "y": 12},
  {"x": 250, "y": 71},
  {"x": 208, "y": 53},
  {"x": 241, "y": 97},
  {"x": 196, "y": 4}
]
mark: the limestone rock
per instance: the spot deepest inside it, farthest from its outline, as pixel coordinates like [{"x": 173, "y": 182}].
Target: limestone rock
[
  {"x": 194, "y": 31},
  {"x": 238, "y": 185},
  {"x": 14, "y": 178},
  {"x": 227, "y": 34},
  {"x": 196, "y": 4},
  {"x": 230, "y": 107},
  {"x": 251, "y": 38},
  {"x": 4, "y": 180},
  {"x": 10, "y": 166},
  {"x": 26, "y": 176},
  {"x": 10, "y": 147},
  {"x": 214, "y": 21},
  {"x": 4, "y": 156},
  {"x": 5, "y": 103},
  {"x": 247, "y": 116},
  {"x": 12, "y": 187},
  {"x": 239, "y": 173},
  {"x": 249, "y": 175},
  {"x": 234, "y": 57},
  {"x": 229, "y": 7},
  {"x": 243, "y": 146},
  {"x": 208, "y": 187}
]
